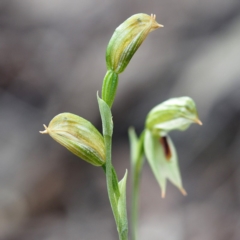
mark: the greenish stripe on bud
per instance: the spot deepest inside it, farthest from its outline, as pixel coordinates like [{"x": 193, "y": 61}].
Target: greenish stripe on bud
[
  {"x": 127, "y": 38},
  {"x": 79, "y": 136},
  {"x": 109, "y": 87},
  {"x": 175, "y": 113}
]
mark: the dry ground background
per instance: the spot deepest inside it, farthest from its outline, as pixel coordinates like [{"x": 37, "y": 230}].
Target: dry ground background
[{"x": 52, "y": 60}]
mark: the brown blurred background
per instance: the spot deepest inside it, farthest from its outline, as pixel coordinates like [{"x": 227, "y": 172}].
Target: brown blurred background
[{"x": 52, "y": 60}]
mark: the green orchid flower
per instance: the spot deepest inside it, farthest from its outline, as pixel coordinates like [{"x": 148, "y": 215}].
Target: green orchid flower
[{"x": 173, "y": 114}]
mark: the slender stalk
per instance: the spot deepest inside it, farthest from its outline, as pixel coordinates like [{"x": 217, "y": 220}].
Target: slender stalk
[
  {"x": 111, "y": 193},
  {"x": 135, "y": 200},
  {"x": 136, "y": 176},
  {"x": 117, "y": 199},
  {"x": 114, "y": 181}
]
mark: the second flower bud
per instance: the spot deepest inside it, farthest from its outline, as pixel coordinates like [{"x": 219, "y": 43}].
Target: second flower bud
[{"x": 79, "y": 136}]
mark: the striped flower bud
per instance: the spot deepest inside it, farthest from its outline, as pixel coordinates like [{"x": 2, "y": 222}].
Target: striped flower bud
[
  {"x": 175, "y": 113},
  {"x": 127, "y": 38},
  {"x": 79, "y": 136}
]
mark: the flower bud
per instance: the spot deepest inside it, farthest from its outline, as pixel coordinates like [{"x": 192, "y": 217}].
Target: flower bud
[
  {"x": 79, "y": 136},
  {"x": 109, "y": 87},
  {"x": 127, "y": 38},
  {"x": 175, "y": 113}
]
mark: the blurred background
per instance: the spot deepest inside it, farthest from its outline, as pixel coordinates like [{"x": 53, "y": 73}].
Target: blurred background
[{"x": 52, "y": 60}]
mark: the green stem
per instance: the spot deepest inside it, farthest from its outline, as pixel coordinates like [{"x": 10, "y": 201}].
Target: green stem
[
  {"x": 136, "y": 176},
  {"x": 135, "y": 200},
  {"x": 114, "y": 181},
  {"x": 117, "y": 201},
  {"x": 110, "y": 187},
  {"x": 112, "y": 198}
]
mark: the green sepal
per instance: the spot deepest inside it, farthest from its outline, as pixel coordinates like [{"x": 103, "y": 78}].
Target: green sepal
[
  {"x": 122, "y": 208},
  {"x": 173, "y": 114},
  {"x": 163, "y": 167},
  {"x": 109, "y": 87}
]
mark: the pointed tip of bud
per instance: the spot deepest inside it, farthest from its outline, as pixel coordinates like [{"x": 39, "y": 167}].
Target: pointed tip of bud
[
  {"x": 163, "y": 194},
  {"x": 155, "y": 24},
  {"x": 182, "y": 190},
  {"x": 198, "y": 122},
  {"x": 45, "y": 131}
]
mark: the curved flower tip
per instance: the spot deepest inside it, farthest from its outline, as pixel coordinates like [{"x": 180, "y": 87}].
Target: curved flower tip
[
  {"x": 198, "y": 122},
  {"x": 163, "y": 194},
  {"x": 156, "y": 24},
  {"x": 45, "y": 131},
  {"x": 182, "y": 190}
]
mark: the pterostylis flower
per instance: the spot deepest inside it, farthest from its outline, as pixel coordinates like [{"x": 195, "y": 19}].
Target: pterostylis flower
[
  {"x": 125, "y": 41},
  {"x": 127, "y": 38},
  {"x": 173, "y": 114},
  {"x": 84, "y": 140},
  {"x": 79, "y": 136}
]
